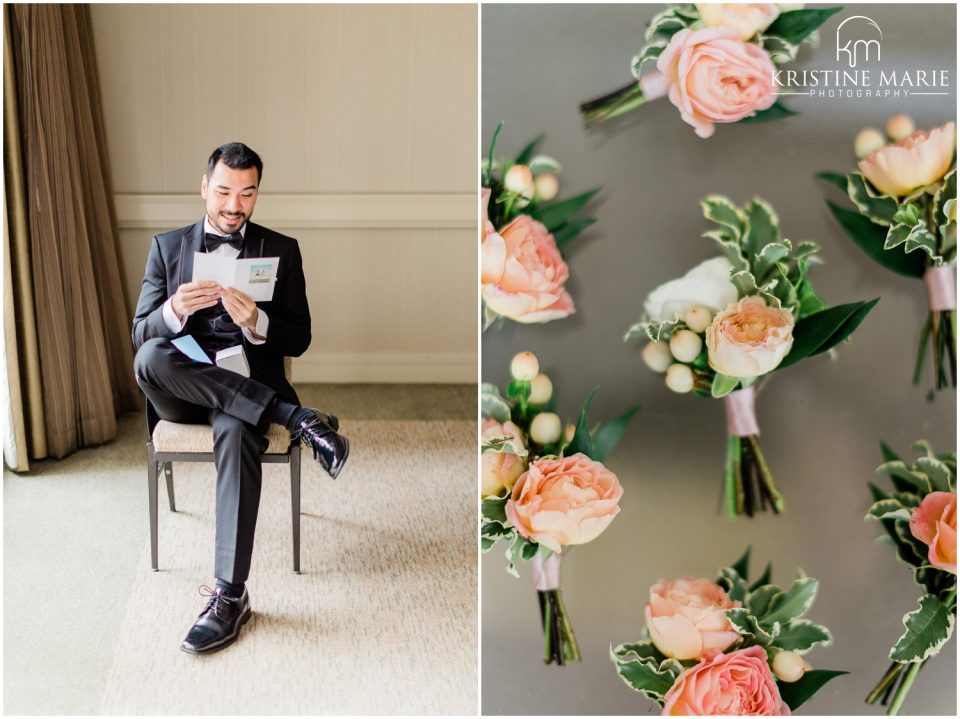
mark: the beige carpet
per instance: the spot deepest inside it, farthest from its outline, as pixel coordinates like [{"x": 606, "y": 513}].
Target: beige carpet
[{"x": 382, "y": 620}]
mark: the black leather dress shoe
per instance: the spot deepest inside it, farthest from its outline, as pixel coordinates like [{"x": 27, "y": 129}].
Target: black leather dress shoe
[
  {"x": 320, "y": 435},
  {"x": 219, "y": 623}
]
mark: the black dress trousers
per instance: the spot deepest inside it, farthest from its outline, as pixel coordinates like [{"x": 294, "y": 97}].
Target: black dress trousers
[{"x": 183, "y": 390}]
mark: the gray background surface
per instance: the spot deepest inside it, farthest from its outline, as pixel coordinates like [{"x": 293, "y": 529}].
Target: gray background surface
[{"x": 821, "y": 421}]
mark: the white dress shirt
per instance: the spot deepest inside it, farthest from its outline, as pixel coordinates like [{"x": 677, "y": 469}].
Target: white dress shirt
[{"x": 224, "y": 250}]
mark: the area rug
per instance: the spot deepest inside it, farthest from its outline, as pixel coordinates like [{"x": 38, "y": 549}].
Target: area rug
[{"x": 382, "y": 619}]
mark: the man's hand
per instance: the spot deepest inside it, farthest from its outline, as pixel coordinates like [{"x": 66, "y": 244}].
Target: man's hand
[
  {"x": 242, "y": 310},
  {"x": 194, "y": 296}
]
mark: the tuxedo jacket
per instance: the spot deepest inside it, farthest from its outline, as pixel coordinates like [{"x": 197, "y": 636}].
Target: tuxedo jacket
[{"x": 170, "y": 264}]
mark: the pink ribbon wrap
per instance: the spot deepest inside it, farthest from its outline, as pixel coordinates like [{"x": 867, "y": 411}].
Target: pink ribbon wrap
[
  {"x": 941, "y": 284},
  {"x": 654, "y": 85},
  {"x": 741, "y": 415},
  {"x": 546, "y": 572}
]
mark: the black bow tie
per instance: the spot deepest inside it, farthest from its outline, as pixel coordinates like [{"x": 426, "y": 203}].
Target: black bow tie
[{"x": 214, "y": 241}]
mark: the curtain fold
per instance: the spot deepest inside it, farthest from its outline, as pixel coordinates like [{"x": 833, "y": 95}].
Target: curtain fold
[
  {"x": 79, "y": 301},
  {"x": 20, "y": 327}
]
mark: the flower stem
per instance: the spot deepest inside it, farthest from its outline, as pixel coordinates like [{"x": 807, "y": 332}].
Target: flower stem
[
  {"x": 903, "y": 689},
  {"x": 889, "y": 678},
  {"x": 921, "y": 351},
  {"x": 766, "y": 476},
  {"x": 730, "y": 481},
  {"x": 618, "y": 102},
  {"x": 571, "y": 650}
]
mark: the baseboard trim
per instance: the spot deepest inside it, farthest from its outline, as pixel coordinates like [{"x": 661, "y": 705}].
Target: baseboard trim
[
  {"x": 387, "y": 367},
  {"x": 311, "y": 211}
]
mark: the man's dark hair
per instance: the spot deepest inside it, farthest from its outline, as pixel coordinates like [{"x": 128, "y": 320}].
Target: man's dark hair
[{"x": 237, "y": 156}]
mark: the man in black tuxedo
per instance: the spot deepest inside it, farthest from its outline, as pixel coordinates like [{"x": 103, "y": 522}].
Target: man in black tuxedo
[{"x": 239, "y": 408}]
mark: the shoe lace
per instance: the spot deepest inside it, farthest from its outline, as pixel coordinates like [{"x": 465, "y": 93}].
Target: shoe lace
[
  {"x": 315, "y": 427},
  {"x": 218, "y": 603}
]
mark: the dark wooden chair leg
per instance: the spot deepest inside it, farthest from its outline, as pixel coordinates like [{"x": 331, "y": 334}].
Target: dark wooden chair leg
[
  {"x": 168, "y": 474},
  {"x": 295, "y": 504},
  {"x": 152, "y": 471}
]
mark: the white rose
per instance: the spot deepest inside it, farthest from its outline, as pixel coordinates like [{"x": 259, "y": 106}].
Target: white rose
[
  {"x": 706, "y": 285},
  {"x": 747, "y": 18}
]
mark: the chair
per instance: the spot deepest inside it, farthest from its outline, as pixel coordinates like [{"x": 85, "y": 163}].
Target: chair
[{"x": 169, "y": 442}]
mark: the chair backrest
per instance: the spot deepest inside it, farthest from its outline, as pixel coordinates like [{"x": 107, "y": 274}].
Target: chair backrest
[{"x": 288, "y": 368}]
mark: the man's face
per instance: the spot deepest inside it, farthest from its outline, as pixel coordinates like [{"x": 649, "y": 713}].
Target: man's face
[{"x": 230, "y": 195}]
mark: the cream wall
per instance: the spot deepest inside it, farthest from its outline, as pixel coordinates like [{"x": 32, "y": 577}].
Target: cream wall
[{"x": 365, "y": 116}]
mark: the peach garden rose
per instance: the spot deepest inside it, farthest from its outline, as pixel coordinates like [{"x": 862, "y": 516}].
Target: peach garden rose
[
  {"x": 736, "y": 684},
  {"x": 919, "y": 160},
  {"x": 560, "y": 501},
  {"x": 934, "y": 523},
  {"x": 500, "y": 470},
  {"x": 522, "y": 272},
  {"x": 749, "y": 338},
  {"x": 713, "y": 76},
  {"x": 685, "y": 617},
  {"x": 747, "y": 18}
]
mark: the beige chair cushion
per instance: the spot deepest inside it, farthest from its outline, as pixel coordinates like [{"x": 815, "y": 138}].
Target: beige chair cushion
[{"x": 175, "y": 437}]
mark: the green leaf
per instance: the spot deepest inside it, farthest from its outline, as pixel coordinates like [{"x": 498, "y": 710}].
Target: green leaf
[
  {"x": 937, "y": 472},
  {"x": 780, "y": 50},
  {"x": 734, "y": 585},
  {"x": 721, "y": 210},
  {"x": 570, "y": 230},
  {"x": 606, "y": 438},
  {"x": 643, "y": 673},
  {"x": 834, "y": 178},
  {"x": 927, "y": 629},
  {"x": 493, "y": 509},
  {"x": 777, "y": 111},
  {"x": 742, "y": 565},
  {"x": 745, "y": 623},
  {"x": 793, "y": 603},
  {"x": 758, "y": 601},
  {"x": 888, "y": 509},
  {"x": 768, "y": 257},
  {"x": 582, "y": 441},
  {"x": 908, "y": 214},
  {"x": 879, "y": 208},
  {"x": 527, "y": 152},
  {"x": 912, "y": 480},
  {"x": 796, "y": 26},
  {"x": 650, "y": 52},
  {"x": 666, "y": 22},
  {"x": 745, "y": 283},
  {"x": 492, "y": 404},
  {"x": 871, "y": 237},
  {"x": 910, "y": 549},
  {"x": 763, "y": 226},
  {"x": 916, "y": 237},
  {"x": 796, "y": 693},
  {"x": 802, "y": 635},
  {"x": 947, "y": 191},
  {"x": 764, "y": 578},
  {"x": 805, "y": 248},
  {"x": 723, "y": 385},
  {"x": 888, "y": 454},
  {"x": 824, "y": 330},
  {"x": 555, "y": 214}
]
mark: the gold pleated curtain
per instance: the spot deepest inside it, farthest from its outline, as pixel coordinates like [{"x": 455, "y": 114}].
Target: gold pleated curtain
[{"x": 72, "y": 321}]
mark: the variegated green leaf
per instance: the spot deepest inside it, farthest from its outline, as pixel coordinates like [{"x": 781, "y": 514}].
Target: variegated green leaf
[
  {"x": 793, "y": 603},
  {"x": 927, "y": 629},
  {"x": 661, "y": 331},
  {"x": 544, "y": 163},
  {"x": 805, "y": 248},
  {"x": 759, "y": 599},
  {"x": 745, "y": 283},
  {"x": 665, "y": 22},
  {"x": 916, "y": 237},
  {"x": 733, "y": 583},
  {"x": 492, "y": 404},
  {"x": 721, "y": 210},
  {"x": 780, "y": 50},
  {"x": 745, "y": 623},
  {"x": 898, "y": 469},
  {"x": 769, "y": 256},
  {"x": 763, "y": 226},
  {"x": 802, "y": 635},
  {"x": 731, "y": 249},
  {"x": 936, "y": 471},
  {"x": 723, "y": 385},
  {"x": 493, "y": 509},
  {"x": 505, "y": 443},
  {"x": 910, "y": 549},
  {"x": 649, "y": 53},
  {"x": 946, "y": 193},
  {"x": 888, "y": 509},
  {"x": 641, "y": 671},
  {"x": 879, "y": 208}
]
